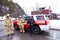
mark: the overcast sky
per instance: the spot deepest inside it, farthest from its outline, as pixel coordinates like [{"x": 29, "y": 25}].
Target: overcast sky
[{"x": 29, "y": 5}]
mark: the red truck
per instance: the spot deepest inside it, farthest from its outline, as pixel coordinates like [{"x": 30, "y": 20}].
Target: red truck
[{"x": 40, "y": 23}]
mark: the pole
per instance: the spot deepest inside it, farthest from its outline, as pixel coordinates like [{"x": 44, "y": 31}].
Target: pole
[{"x": 49, "y": 11}]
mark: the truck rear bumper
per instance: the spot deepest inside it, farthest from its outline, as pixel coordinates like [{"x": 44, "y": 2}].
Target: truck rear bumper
[{"x": 44, "y": 27}]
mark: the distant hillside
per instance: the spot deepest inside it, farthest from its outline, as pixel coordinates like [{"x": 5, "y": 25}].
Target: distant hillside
[
  {"x": 17, "y": 11},
  {"x": 9, "y": 7}
]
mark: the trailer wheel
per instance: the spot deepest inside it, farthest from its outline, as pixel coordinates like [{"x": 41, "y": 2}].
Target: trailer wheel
[{"x": 36, "y": 29}]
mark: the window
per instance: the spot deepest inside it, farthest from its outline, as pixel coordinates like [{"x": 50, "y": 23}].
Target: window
[{"x": 40, "y": 17}]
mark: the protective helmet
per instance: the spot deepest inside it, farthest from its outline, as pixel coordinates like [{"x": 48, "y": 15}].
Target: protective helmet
[
  {"x": 8, "y": 15},
  {"x": 19, "y": 16}
]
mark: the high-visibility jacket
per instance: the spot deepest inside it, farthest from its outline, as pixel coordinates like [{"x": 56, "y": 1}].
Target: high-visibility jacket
[
  {"x": 8, "y": 25},
  {"x": 20, "y": 22},
  {"x": 21, "y": 25}
]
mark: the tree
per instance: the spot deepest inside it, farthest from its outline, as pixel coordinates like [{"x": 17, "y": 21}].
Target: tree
[
  {"x": 0, "y": 2},
  {"x": 7, "y": 3},
  {"x": 10, "y": 4}
]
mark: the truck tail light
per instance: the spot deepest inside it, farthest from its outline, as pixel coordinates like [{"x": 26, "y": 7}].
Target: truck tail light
[{"x": 47, "y": 22}]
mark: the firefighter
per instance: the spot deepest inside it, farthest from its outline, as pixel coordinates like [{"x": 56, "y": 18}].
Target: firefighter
[
  {"x": 8, "y": 25},
  {"x": 21, "y": 24}
]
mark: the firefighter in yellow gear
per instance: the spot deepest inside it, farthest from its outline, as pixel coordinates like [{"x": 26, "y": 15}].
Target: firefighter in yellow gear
[
  {"x": 21, "y": 24},
  {"x": 8, "y": 25}
]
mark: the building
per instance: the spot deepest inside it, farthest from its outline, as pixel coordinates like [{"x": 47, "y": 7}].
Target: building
[{"x": 47, "y": 12}]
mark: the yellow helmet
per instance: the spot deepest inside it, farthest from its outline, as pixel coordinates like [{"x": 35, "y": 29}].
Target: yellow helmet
[
  {"x": 19, "y": 16},
  {"x": 8, "y": 15}
]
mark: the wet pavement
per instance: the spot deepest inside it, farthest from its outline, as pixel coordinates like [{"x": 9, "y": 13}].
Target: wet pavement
[{"x": 52, "y": 35}]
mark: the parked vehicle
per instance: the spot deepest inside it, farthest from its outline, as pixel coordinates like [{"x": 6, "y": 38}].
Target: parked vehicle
[{"x": 40, "y": 23}]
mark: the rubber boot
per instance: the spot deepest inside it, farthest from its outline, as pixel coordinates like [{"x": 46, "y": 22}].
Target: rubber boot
[
  {"x": 23, "y": 31},
  {"x": 20, "y": 30}
]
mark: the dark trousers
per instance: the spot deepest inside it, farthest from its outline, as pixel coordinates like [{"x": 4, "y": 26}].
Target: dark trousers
[{"x": 31, "y": 26}]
